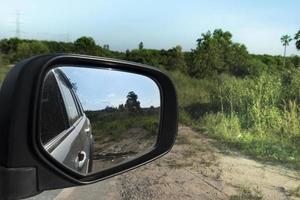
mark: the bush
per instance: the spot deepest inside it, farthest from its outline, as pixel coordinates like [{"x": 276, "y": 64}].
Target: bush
[
  {"x": 255, "y": 67},
  {"x": 115, "y": 123},
  {"x": 259, "y": 115},
  {"x": 26, "y": 50}
]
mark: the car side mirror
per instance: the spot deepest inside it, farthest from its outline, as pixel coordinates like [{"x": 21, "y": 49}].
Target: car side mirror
[{"x": 69, "y": 120}]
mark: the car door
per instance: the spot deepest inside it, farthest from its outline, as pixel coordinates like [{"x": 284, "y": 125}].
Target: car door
[{"x": 70, "y": 142}]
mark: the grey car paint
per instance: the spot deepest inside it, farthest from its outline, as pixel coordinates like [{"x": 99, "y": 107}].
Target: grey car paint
[{"x": 73, "y": 146}]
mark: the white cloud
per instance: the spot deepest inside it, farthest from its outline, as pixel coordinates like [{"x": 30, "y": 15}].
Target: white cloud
[{"x": 111, "y": 95}]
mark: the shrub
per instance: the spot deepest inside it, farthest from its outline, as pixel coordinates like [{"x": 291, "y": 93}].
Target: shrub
[
  {"x": 26, "y": 50},
  {"x": 258, "y": 115}
]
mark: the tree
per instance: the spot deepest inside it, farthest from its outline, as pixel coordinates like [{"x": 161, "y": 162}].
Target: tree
[
  {"x": 85, "y": 45},
  {"x": 175, "y": 59},
  {"x": 285, "y": 40},
  {"x": 74, "y": 86},
  {"x": 255, "y": 67},
  {"x": 297, "y": 38},
  {"x": 236, "y": 60},
  {"x": 28, "y": 49},
  {"x": 106, "y": 47},
  {"x": 1, "y": 60},
  {"x": 132, "y": 104},
  {"x": 110, "y": 109},
  {"x": 216, "y": 53},
  {"x": 8, "y": 46},
  {"x": 121, "y": 107},
  {"x": 141, "y": 45},
  {"x": 127, "y": 53}
]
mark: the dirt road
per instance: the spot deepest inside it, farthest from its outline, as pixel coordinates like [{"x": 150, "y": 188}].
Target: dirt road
[{"x": 195, "y": 169}]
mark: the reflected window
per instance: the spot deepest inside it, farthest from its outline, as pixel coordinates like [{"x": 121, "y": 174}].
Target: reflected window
[
  {"x": 53, "y": 114},
  {"x": 69, "y": 100}
]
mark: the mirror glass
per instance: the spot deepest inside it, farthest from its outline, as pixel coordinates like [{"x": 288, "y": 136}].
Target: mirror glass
[{"x": 91, "y": 119}]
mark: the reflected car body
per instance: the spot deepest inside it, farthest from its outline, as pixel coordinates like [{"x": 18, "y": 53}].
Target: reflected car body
[{"x": 65, "y": 130}]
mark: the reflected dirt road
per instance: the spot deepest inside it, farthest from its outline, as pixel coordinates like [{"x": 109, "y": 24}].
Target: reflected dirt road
[{"x": 132, "y": 143}]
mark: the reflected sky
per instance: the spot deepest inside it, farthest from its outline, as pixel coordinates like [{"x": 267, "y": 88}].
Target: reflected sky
[{"x": 98, "y": 88}]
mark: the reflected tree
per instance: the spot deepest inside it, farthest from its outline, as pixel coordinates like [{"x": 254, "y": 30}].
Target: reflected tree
[
  {"x": 74, "y": 86},
  {"x": 121, "y": 107},
  {"x": 141, "y": 45},
  {"x": 297, "y": 38},
  {"x": 132, "y": 104}
]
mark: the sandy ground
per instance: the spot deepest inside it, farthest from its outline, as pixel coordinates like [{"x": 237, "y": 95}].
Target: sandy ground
[
  {"x": 195, "y": 169},
  {"x": 109, "y": 152}
]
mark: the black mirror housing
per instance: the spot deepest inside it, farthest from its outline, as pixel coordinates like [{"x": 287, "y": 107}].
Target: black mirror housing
[{"x": 25, "y": 170}]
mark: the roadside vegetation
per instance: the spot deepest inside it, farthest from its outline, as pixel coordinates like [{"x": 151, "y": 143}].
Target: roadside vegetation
[
  {"x": 4, "y": 68},
  {"x": 113, "y": 122},
  {"x": 295, "y": 192},
  {"x": 123, "y": 132},
  {"x": 245, "y": 193},
  {"x": 3, "y": 71},
  {"x": 258, "y": 115},
  {"x": 248, "y": 102}
]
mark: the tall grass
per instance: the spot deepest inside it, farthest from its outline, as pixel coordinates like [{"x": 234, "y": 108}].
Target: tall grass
[
  {"x": 115, "y": 124},
  {"x": 258, "y": 115},
  {"x": 3, "y": 71}
]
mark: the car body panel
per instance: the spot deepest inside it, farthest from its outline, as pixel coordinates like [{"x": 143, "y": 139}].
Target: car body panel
[{"x": 75, "y": 140}]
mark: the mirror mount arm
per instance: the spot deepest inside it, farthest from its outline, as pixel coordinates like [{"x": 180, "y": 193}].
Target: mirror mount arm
[{"x": 18, "y": 183}]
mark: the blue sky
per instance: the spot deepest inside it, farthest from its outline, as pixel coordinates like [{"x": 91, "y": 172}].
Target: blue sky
[
  {"x": 98, "y": 88},
  {"x": 158, "y": 23}
]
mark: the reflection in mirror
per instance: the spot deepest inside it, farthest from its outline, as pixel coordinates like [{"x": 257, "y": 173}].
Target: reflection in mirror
[{"x": 92, "y": 119}]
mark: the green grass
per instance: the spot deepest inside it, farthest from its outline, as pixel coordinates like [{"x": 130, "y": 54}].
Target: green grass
[
  {"x": 259, "y": 116},
  {"x": 3, "y": 71},
  {"x": 246, "y": 193},
  {"x": 115, "y": 123},
  {"x": 295, "y": 192}
]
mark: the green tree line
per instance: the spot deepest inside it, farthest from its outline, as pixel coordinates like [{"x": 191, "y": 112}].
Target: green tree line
[{"x": 215, "y": 53}]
